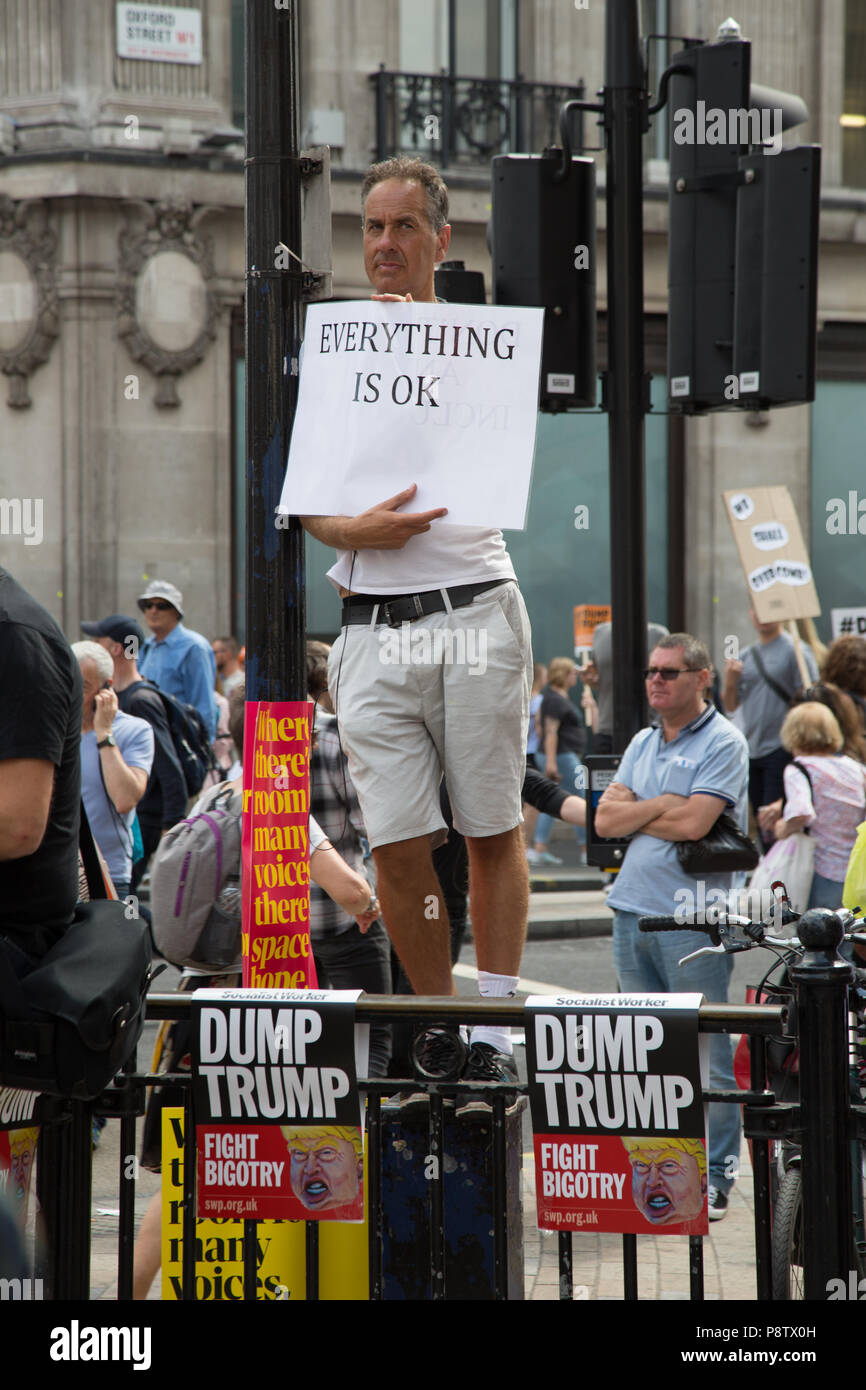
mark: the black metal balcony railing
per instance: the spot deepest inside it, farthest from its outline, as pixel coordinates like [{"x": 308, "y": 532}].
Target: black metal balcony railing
[{"x": 465, "y": 121}]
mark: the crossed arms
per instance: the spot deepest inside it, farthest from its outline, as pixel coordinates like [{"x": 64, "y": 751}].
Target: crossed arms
[{"x": 667, "y": 817}]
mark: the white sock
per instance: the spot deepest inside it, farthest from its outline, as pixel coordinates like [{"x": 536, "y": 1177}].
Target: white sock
[{"x": 495, "y": 987}]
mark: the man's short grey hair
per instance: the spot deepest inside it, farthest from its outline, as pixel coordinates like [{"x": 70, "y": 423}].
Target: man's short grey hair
[
  {"x": 695, "y": 653},
  {"x": 419, "y": 171},
  {"x": 91, "y": 651}
]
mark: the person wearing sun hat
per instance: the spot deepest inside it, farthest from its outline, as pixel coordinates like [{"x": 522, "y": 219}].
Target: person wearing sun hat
[{"x": 177, "y": 659}]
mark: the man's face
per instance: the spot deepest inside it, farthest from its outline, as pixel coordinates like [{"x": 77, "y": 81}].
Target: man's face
[
  {"x": 325, "y": 1174},
  {"x": 678, "y": 696},
  {"x": 667, "y": 1186},
  {"x": 764, "y": 629},
  {"x": 115, "y": 649},
  {"x": 221, "y": 654},
  {"x": 92, "y": 682},
  {"x": 161, "y": 616},
  {"x": 401, "y": 250}
]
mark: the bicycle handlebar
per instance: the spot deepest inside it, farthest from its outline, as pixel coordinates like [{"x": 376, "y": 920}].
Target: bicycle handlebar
[{"x": 665, "y": 923}]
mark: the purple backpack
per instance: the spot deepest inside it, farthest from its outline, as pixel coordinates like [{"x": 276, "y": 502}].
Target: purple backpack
[{"x": 195, "y": 893}]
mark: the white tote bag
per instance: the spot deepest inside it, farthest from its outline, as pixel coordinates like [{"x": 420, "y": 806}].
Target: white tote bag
[{"x": 793, "y": 861}]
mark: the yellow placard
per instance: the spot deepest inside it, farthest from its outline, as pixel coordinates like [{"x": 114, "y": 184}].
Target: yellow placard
[{"x": 281, "y": 1248}]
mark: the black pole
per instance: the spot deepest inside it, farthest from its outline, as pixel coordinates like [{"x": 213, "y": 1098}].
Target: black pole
[
  {"x": 275, "y": 666},
  {"x": 625, "y": 120},
  {"x": 821, "y": 980}
]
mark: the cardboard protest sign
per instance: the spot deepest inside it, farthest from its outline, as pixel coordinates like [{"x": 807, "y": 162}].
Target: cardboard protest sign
[
  {"x": 441, "y": 395},
  {"x": 280, "y": 1246},
  {"x": 587, "y": 617},
  {"x": 617, "y": 1113},
  {"x": 772, "y": 553},
  {"x": 277, "y": 1109},
  {"x": 275, "y": 851}
]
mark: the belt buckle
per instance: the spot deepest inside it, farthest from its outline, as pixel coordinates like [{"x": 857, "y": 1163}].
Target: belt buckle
[{"x": 394, "y": 620}]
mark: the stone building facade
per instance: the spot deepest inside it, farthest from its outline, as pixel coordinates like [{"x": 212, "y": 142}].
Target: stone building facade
[{"x": 122, "y": 280}]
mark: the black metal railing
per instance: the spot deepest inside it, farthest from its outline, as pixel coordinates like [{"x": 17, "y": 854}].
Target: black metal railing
[
  {"x": 65, "y": 1160},
  {"x": 465, "y": 121}
]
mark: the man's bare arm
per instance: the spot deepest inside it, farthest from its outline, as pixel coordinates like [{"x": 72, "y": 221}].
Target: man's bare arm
[
  {"x": 125, "y": 785},
  {"x": 620, "y": 813},
  {"x": 26, "y": 785},
  {"x": 693, "y": 818},
  {"x": 381, "y": 527},
  {"x": 731, "y": 687}
]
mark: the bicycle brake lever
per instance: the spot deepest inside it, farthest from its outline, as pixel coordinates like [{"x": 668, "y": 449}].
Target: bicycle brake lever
[{"x": 704, "y": 951}]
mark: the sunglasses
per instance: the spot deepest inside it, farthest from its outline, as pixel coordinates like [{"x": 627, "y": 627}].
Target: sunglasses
[
  {"x": 158, "y": 604},
  {"x": 667, "y": 673}
]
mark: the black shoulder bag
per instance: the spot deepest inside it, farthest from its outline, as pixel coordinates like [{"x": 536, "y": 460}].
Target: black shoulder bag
[
  {"x": 724, "y": 849},
  {"x": 68, "y": 1026}
]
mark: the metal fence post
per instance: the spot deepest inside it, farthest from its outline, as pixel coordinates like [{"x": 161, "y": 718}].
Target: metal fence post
[
  {"x": 821, "y": 980},
  {"x": 276, "y": 664},
  {"x": 63, "y": 1187}
]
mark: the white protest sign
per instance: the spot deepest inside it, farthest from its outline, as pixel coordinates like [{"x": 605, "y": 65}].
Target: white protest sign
[
  {"x": 848, "y": 622},
  {"x": 441, "y": 395}
]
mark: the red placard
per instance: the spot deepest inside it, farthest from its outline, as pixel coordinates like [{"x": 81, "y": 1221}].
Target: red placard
[
  {"x": 640, "y": 1185},
  {"x": 293, "y": 1172},
  {"x": 275, "y": 846}
]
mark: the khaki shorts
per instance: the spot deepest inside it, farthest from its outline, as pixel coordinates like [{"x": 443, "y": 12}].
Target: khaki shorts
[{"x": 448, "y": 693}]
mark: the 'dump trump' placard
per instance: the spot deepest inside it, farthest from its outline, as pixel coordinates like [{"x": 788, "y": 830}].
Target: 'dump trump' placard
[
  {"x": 615, "y": 1092},
  {"x": 441, "y": 395},
  {"x": 277, "y": 1110}
]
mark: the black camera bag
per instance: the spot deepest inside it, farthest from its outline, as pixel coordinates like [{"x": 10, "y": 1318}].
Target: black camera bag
[{"x": 68, "y": 1026}]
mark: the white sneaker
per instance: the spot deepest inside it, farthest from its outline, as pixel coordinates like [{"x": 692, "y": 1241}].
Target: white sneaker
[{"x": 717, "y": 1203}]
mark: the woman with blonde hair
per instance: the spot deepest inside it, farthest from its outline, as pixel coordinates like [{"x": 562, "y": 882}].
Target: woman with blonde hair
[{"x": 825, "y": 793}]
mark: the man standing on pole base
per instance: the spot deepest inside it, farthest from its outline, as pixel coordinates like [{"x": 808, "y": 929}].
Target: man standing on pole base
[
  {"x": 405, "y": 724},
  {"x": 673, "y": 783}
]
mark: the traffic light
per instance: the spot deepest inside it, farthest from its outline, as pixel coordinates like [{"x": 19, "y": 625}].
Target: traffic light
[
  {"x": 743, "y": 238},
  {"x": 542, "y": 234},
  {"x": 457, "y": 285}
]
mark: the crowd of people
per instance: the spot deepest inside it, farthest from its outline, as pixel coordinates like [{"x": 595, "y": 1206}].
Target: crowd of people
[{"x": 420, "y": 770}]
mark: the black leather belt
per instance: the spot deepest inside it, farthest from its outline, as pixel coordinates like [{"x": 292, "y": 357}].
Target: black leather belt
[{"x": 395, "y": 609}]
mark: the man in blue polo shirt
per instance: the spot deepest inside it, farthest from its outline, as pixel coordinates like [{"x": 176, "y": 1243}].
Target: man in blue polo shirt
[
  {"x": 673, "y": 783},
  {"x": 177, "y": 659}
]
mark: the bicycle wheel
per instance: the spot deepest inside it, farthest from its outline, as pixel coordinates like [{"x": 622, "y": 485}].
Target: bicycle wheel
[{"x": 788, "y": 1239}]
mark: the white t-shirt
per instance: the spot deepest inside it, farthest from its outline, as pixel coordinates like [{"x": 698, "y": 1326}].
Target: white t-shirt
[{"x": 436, "y": 559}]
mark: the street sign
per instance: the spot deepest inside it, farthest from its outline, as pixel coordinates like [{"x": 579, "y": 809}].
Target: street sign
[{"x": 159, "y": 33}]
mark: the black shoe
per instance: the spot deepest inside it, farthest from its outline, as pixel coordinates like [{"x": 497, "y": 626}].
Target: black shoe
[
  {"x": 717, "y": 1204},
  {"x": 486, "y": 1064},
  {"x": 438, "y": 1053}
]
